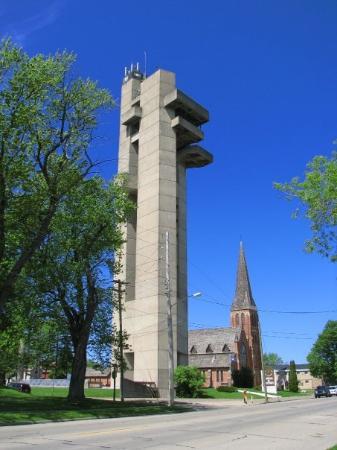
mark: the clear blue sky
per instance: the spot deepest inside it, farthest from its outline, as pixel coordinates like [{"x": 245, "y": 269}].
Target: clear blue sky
[{"x": 267, "y": 72}]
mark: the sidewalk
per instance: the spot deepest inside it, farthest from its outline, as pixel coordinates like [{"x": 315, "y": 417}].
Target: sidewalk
[{"x": 203, "y": 403}]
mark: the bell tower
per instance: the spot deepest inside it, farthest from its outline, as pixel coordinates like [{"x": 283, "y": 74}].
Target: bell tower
[{"x": 244, "y": 315}]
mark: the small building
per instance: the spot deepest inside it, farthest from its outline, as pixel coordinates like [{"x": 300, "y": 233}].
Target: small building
[{"x": 97, "y": 379}]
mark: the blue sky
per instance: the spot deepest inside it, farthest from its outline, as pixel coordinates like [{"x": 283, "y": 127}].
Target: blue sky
[{"x": 267, "y": 72}]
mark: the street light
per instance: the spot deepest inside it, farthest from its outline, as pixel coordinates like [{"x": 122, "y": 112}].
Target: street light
[{"x": 195, "y": 294}]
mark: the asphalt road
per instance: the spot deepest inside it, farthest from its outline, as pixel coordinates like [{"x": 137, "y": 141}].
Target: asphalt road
[{"x": 300, "y": 424}]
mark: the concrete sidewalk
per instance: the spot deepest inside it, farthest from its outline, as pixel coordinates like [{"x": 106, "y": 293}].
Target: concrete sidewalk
[{"x": 223, "y": 402}]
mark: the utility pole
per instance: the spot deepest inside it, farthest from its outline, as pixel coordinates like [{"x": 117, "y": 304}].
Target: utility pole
[
  {"x": 169, "y": 323},
  {"x": 120, "y": 340},
  {"x": 114, "y": 374},
  {"x": 262, "y": 363}
]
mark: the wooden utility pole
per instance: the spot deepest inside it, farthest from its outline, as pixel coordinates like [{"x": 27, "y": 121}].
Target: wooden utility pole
[
  {"x": 169, "y": 324},
  {"x": 121, "y": 356},
  {"x": 114, "y": 374},
  {"x": 120, "y": 337},
  {"x": 262, "y": 363}
]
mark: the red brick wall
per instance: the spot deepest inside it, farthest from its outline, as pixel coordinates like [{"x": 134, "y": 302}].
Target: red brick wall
[
  {"x": 217, "y": 377},
  {"x": 247, "y": 319}
]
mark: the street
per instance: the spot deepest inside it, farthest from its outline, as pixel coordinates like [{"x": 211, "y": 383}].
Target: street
[{"x": 298, "y": 424}]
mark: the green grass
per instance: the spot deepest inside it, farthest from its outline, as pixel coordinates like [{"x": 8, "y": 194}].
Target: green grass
[
  {"x": 294, "y": 394},
  {"x": 63, "y": 392},
  {"x": 213, "y": 393},
  {"x": 17, "y": 408}
]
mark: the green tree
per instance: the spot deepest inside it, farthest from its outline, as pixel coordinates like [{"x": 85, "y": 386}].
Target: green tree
[
  {"x": 293, "y": 382},
  {"x": 243, "y": 377},
  {"x": 272, "y": 359},
  {"x": 323, "y": 355},
  {"x": 47, "y": 123},
  {"x": 34, "y": 338},
  {"x": 317, "y": 194},
  {"x": 189, "y": 381},
  {"x": 73, "y": 270},
  {"x": 10, "y": 337}
]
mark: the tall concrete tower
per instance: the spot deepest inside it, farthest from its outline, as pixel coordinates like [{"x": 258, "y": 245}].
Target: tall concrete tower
[
  {"x": 159, "y": 128},
  {"x": 244, "y": 315}
]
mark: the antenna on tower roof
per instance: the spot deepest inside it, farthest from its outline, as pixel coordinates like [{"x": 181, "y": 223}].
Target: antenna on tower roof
[
  {"x": 145, "y": 63},
  {"x": 133, "y": 72}
]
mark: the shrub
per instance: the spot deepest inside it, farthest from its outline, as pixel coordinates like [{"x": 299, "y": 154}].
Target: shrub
[
  {"x": 226, "y": 389},
  {"x": 243, "y": 377},
  {"x": 189, "y": 381}
]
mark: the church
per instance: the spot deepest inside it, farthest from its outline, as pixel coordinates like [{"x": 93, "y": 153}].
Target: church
[{"x": 217, "y": 352}]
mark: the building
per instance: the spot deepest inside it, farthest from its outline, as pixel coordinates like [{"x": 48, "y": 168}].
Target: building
[
  {"x": 97, "y": 378},
  {"x": 214, "y": 352},
  {"x": 304, "y": 377},
  {"x": 218, "y": 351},
  {"x": 159, "y": 129}
]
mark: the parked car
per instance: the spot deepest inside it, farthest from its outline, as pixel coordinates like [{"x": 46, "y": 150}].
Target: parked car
[
  {"x": 322, "y": 391},
  {"x": 333, "y": 390},
  {"x": 21, "y": 387}
]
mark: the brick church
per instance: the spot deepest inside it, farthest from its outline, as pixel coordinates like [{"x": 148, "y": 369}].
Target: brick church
[{"x": 219, "y": 351}]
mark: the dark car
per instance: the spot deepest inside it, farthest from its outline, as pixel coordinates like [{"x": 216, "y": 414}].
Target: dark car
[
  {"x": 22, "y": 387},
  {"x": 322, "y": 391}
]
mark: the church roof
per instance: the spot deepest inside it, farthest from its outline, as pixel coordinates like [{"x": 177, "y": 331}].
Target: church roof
[
  {"x": 243, "y": 293},
  {"x": 213, "y": 340},
  {"x": 210, "y": 360}
]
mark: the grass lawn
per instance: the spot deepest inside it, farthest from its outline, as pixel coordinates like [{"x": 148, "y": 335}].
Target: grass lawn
[
  {"x": 213, "y": 393},
  {"x": 17, "y": 408},
  {"x": 63, "y": 392},
  {"x": 295, "y": 394}
]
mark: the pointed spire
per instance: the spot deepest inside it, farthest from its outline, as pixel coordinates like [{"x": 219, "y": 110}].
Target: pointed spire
[{"x": 243, "y": 294}]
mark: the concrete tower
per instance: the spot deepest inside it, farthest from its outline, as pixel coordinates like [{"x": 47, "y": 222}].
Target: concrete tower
[
  {"x": 244, "y": 314},
  {"x": 159, "y": 127}
]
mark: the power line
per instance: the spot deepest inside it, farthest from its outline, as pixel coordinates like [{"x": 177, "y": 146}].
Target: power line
[
  {"x": 288, "y": 337},
  {"x": 273, "y": 311}
]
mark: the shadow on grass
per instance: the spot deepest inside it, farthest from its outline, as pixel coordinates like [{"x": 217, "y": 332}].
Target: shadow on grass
[{"x": 17, "y": 409}]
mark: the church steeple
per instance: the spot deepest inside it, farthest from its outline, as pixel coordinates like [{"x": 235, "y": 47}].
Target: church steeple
[
  {"x": 244, "y": 316},
  {"x": 243, "y": 293}
]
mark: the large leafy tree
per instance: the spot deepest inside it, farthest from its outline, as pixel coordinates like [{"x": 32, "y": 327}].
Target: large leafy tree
[
  {"x": 323, "y": 355},
  {"x": 47, "y": 123},
  {"x": 272, "y": 359},
  {"x": 73, "y": 271},
  {"x": 317, "y": 194}
]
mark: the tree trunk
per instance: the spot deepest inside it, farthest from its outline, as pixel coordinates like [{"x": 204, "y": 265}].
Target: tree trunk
[
  {"x": 76, "y": 388},
  {"x": 2, "y": 379}
]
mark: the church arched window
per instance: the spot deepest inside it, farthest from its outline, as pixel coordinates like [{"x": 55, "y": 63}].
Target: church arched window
[
  {"x": 243, "y": 319},
  {"x": 243, "y": 355},
  {"x": 209, "y": 349},
  {"x": 237, "y": 320}
]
